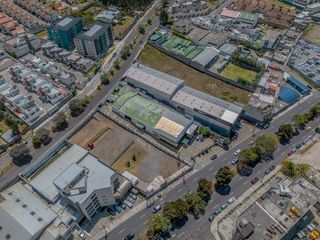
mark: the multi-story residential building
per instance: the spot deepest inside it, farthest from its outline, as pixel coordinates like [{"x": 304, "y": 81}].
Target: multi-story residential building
[
  {"x": 21, "y": 15},
  {"x": 43, "y": 11},
  {"x": 94, "y": 42},
  {"x": 10, "y": 26},
  {"x": 65, "y": 30},
  {"x": 183, "y": 26},
  {"x": 188, "y": 9},
  {"x": 19, "y": 46}
]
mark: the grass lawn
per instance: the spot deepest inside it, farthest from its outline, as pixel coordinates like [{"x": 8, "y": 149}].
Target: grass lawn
[
  {"x": 3, "y": 127},
  {"x": 42, "y": 35},
  {"x": 234, "y": 72},
  {"x": 313, "y": 34},
  {"x": 121, "y": 27},
  {"x": 193, "y": 78}
]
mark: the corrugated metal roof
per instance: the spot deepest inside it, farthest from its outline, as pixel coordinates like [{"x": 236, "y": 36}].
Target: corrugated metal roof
[{"x": 206, "y": 56}]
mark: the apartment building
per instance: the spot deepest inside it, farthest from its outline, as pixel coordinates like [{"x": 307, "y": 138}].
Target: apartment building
[
  {"x": 19, "y": 46},
  {"x": 43, "y": 11},
  {"x": 65, "y": 30},
  {"x": 188, "y": 9},
  {"x": 21, "y": 15},
  {"x": 94, "y": 42}
]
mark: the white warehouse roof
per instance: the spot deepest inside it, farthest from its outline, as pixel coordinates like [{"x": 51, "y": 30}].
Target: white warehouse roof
[
  {"x": 22, "y": 214},
  {"x": 206, "y": 56}
]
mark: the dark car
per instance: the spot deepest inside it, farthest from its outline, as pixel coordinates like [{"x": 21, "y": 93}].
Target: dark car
[
  {"x": 217, "y": 210},
  {"x": 214, "y": 157},
  {"x": 255, "y": 180},
  {"x": 272, "y": 167},
  {"x": 129, "y": 236},
  {"x": 299, "y": 146},
  {"x": 111, "y": 212}
]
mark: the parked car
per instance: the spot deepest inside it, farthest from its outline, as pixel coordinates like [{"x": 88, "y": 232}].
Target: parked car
[
  {"x": 234, "y": 161},
  {"x": 255, "y": 180},
  {"x": 129, "y": 236},
  {"x": 130, "y": 199},
  {"x": 251, "y": 143},
  {"x": 237, "y": 152},
  {"x": 299, "y": 146},
  {"x": 214, "y": 157},
  {"x": 290, "y": 152},
  {"x": 217, "y": 211},
  {"x": 212, "y": 216},
  {"x": 231, "y": 200},
  {"x": 272, "y": 167},
  {"x": 308, "y": 128},
  {"x": 156, "y": 209},
  {"x": 116, "y": 208},
  {"x": 123, "y": 206},
  {"x": 266, "y": 172},
  {"x": 133, "y": 196},
  {"x": 129, "y": 204},
  {"x": 224, "y": 206}
]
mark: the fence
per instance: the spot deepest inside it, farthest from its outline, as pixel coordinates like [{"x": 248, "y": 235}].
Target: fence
[{"x": 202, "y": 69}]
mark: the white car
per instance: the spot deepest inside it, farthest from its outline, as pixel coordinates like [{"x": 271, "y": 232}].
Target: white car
[
  {"x": 234, "y": 161},
  {"x": 237, "y": 152},
  {"x": 231, "y": 200}
]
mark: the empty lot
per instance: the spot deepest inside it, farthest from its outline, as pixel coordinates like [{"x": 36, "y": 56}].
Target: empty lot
[
  {"x": 313, "y": 34},
  {"x": 123, "y": 150},
  {"x": 193, "y": 78}
]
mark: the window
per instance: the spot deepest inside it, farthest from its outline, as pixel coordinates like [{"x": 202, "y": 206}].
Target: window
[
  {"x": 32, "y": 213},
  {"x": 24, "y": 205},
  {"x": 17, "y": 200},
  {"x": 9, "y": 193},
  {"x": 39, "y": 219},
  {"x": 8, "y": 236},
  {"x": 0, "y": 228}
]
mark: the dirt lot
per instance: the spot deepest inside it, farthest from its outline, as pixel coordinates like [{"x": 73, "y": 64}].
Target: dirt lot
[
  {"x": 116, "y": 146},
  {"x": 146, "y": 162},
  {"x": 313, "y": 34},
  {"x": 192, "y": 77},
  {"x": 197, "y": 34}
]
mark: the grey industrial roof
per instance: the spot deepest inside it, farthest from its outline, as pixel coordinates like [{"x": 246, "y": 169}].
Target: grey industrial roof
[
  {"x": 98, "y": 177},
  {"x": 207, "y": 104},
  {"x": 228, "y": 48},
  {"x": 153, "y": 78},
  {"x": 94, "y": 31},
  {"x": 66, "y": 22},
  {"x": 43, "y": 181},
  {"x": 206, "y": 56},
  {"x": 22, "y": 214}
]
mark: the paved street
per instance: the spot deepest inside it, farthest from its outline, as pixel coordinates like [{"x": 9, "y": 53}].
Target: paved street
[{"x": 199, "y": 229}]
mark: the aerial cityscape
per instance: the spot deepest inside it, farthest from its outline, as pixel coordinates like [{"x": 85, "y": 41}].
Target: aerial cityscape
[{"x": 159, "y": 119}]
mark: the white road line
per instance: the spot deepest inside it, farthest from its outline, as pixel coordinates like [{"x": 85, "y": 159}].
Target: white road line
[
  {"x": 180, "y": 234},
  {"x": 259, "y": 172},
  {"x": 179, "y": 190},
  {"x": 245, "y": 182},
  {"x": 145, "y": 222},
  {"x": 122, "y": 231},
  {"x": 198, "y": 220},
  {"x": 173, "y": 235},
  {"x": 142, "y": 216},
  {"x": 282, "y": 153},
  {"x": 240, "y": 177},
  {"x": 195, "y": 179},
  {"x": 210, "y": 168},
  {"x": 224, "y": 159}
]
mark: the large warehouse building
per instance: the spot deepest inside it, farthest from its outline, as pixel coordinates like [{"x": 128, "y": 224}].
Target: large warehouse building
[
  {"x": 158, "y": 84},
  {"x": 151, "y": 116},
  {"x": 216, "y": 113}
]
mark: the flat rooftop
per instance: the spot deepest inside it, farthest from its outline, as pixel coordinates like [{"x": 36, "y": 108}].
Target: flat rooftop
[
  {"x": 152, "y": 78},
  {"x": 279, "y": 208},
  {"x": 207, "y": 104}
]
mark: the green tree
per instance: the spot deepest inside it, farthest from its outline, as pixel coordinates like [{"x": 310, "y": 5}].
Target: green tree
[
  {"x": 75, "y": 107},
  {"x": 248, "y": 156},
  {"x": 36, "y": 141},
  {"x": 175, "y": 210},
  {"x": 205, "y": 131},
  {"x": 268, "y": 143},
  {"x": 104, "y": 79},
  {"x": 60, "y": 122},
  {"x": 41, "y": 136},
  {"x": 12, "y": 122},
  {"x": 286, "y": 132},
  {"x": 142, "y": 29},
  {"x": 195, "y": 203},
  {"x": 158, "y": 224},
  {"x": 205, "y": 189},
  {"x": 164, "y": 16},
  {"x": 224, "y": 176},
  {"x": 299, "y": 120},
  {"x": 289, "y": 168},
  {"x": 19, "y": 152}
]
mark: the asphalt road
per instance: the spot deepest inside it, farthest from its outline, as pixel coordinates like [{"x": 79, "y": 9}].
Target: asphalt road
[
  {"x": 199, "y": 229},
  {"x": 11, "y": 176}
]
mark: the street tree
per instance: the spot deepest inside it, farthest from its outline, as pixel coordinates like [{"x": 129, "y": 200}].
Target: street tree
[
  {"x": 60, "y": 122},
  {"x": 12, "y": 122},
  {"x": 289, "y": 168},
  {"x": 175, "y": 210},
  {"x": 205, "y": 189},
  {"x": 248, "y": 156},
  {"x": 75, "y": 107},
  {"x": 142, "y": 29},
  {"x": 224, "y": 176},
  {"x": 104, "y": 79},
  {"x": 158, "y": 224},
  {"x": 195, "y": 203},
  {"x": 268, "y": 143},
  {"x": 299, "y": 120},
  {"x": 41, "y": 136},
  {"x": 285, "y": 132},
  {"x": 19, "y": 152},
  {"x": 205, "y": 131}
]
